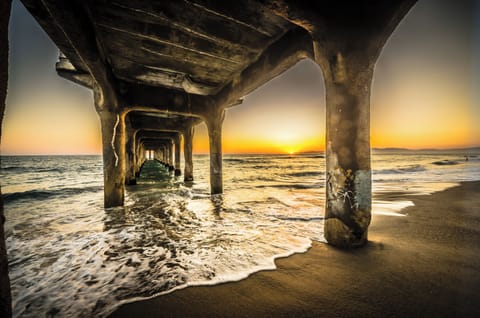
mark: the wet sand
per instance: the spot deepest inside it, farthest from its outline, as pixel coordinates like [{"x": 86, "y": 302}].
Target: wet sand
[{"x": 426, "y": 264}]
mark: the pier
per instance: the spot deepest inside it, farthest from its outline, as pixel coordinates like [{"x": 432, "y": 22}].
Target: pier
[{"x": 159, "y": 68}]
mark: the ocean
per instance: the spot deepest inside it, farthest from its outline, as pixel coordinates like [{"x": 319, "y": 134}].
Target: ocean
[{"x": 69, "y": 257}]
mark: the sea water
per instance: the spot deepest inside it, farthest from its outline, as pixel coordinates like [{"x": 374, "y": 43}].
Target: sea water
[{"x": 70, "y": 257}]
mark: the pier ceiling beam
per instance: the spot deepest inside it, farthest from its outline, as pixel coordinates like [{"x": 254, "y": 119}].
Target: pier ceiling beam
[
  {"x": 156, "y": 143},
  {"x": 67, "y": 70},
  {"x": 347, "y": 42},
  {"x": 150, "y": 98},
  {"x": 364, "y": 25},
  {"x": 146, "y": 134},
  {"x": 244, "y": 27},
  {"x": 145, "y": 122}
]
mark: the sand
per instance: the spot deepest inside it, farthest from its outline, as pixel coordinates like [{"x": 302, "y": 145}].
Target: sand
[{"x": 426, "y": 264}]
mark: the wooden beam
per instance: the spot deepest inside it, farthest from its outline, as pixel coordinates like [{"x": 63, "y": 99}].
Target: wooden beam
[
  {"x": 169, "y": 47},
  {"x": 149, "y": 134},
  {"x": 67, "y": 70},
  {"x": 180, "y": 14},
  {"x": 368, "y": 23},
  {"x": 150, "y": 98},
  {"x": 132, "y": 23},
  {"x": 251, "y": 14},
  {"x": 146, "y": 122},
  {"x": 164, "y": 73}
]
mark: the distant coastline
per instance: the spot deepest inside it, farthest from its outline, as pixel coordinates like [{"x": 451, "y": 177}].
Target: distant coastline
[
  {"x": 468, "y": 150},
  {"x": 375, "y": 150}
]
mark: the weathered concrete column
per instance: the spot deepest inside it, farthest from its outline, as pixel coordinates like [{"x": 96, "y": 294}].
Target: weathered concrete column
[
  {"x": 138, "y": 157},
  {"x": 177, "y": 155},
  {"x": 170, "y": 156},
  {"x": 130, "y": 178},
  {"x": 159, "y": 154},
  {"x": 187, "y": 153},
  {"x": 214, "y": 123},
  {"x": 348, "y": 36},
  {"x": 347, "y": 76},
  {"x": 162, "y": 155},
  {"x": 5, "y": 294},
  {"x": 141, "y": 159},
  {"x": 113, "y": 143}
]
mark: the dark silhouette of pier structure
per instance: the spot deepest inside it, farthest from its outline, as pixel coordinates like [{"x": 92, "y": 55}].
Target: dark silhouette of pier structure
[{"x": 158, "y": 68}]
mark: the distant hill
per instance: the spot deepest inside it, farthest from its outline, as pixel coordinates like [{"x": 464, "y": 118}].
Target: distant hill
[
  {"x": 449, "y": 150},
  {"x": 391, "y": 149}
]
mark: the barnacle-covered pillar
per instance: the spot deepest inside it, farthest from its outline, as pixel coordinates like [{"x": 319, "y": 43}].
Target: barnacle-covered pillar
[
  {"x": 347, "y": 40},
  {"x": 348, "y": 77}
]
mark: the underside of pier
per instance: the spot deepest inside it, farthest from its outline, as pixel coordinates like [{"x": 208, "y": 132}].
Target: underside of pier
[{"x": 158, "y": 68}]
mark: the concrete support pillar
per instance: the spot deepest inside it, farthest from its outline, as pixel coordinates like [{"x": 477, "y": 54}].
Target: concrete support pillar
[
  {"x": 348, "y": 36},
  {"x": 170, "y": 155},
  {"x": 214, "y": 124},
  {"x": 348, "y": 76},
  {"x": 159, "y": 154},
  {"x": 130, "y": 178},
  {"x": 142, "y": 158},
  {"x": 5, "y": 294},
  {"x": 113, "y": 143},
  {"x": 138, "y": 157},
  {"x": 177, "y": 156},
  {"x": 164, "y": 155},
  {"x": 187, "y": 153}
]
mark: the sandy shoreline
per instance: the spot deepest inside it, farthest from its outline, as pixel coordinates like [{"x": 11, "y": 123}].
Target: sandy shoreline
[{"x": 424, "y": 265}]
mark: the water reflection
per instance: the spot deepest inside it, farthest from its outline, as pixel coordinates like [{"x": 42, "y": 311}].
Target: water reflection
[{"x": 217, "y": 203}]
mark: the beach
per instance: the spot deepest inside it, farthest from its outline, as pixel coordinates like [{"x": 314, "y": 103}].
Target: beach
[{"x": 424, "y": 264}]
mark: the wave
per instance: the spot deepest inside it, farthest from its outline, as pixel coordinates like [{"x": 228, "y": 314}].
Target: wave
[
  {"x": 38, "y": 195},
  {"x": 305, "y": 174},
  {"x": 14, "y": 168},
  {"x": 290, "y": 186},
  {"x": 299, "y": 219},
  {"x": 445, "y": 163},
  {"x": 31, "y": 169},
  {"x": 412, "y": 168},
  {"x": 233, "y": 160}
]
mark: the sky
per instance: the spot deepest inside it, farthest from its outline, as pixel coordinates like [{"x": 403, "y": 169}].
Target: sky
[{"x": 425, "y": 93}]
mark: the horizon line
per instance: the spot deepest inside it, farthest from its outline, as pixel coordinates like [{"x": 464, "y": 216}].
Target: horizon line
[{"x": 255, "y": 152}]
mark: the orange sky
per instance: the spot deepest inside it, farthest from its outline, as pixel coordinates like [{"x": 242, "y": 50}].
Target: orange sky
[{"x": 425, "y": 94}]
